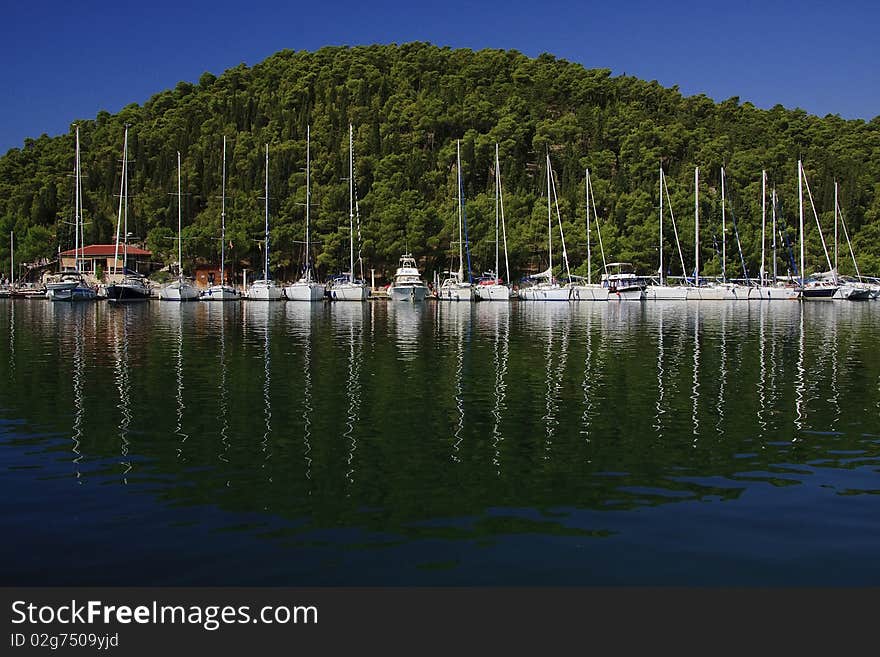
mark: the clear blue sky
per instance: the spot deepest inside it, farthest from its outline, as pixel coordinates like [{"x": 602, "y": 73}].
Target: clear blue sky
[{"x": 63, "y": 61}]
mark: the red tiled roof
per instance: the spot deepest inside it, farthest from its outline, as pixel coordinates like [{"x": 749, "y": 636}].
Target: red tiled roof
[{"x": 108, "y": 250}]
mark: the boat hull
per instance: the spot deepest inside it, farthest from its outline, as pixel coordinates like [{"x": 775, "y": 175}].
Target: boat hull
[
  {"x": 818, "y": 293},
  {"x": 545, "y": 293},
  {"x": 304, "y": 291},
  {"x": 633, "y": 293},
  {"x": 263, "y": 293},
  {"x": 852, "y": 293},
  {"x": 121, "y": 292},
  {"x": 412, "y": 293},
  {"x": 349, "y": 292},
  {"x": 455, "y": 293},
  {"x": 77, "y": 293},
  {"x": 220, "y": 293},
  {"x": 590, "y": 293},
  {"x": 492, "y": 292},
  {"x": 773, "y": 293},
  {"x": 666, "y": 293},
  {"x": 179, "y": 292}
]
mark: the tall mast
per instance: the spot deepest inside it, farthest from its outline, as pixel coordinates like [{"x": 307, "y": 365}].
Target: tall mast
[
  {"x": 11, "y": 259},
  {"x": 497, "y": 212},
  {"x": 662, "y": 277},
  {"x": 763, "y": 222},
  {"x": 697, "y": 226},
  {"x": 589, "y": 263},
  {"x": 125, "y": 200},
  {"x": 801, "y": 212},
  {"x": 549, "y": 220},
  {"x": 351, "y": 199},
  {"x": 179, "y": 224},
  {"x": 773, "y": 201},
  {"x": 76, "y": 206},
  {"x": 308, "y": 200},
  {"x": 503, "y": 226},
  {"x": 835, "y": 231},
  {"x": 121, "y": 203},
  {"x": 460, "y": 203},
  {"x": 266, "y": 257},
  {"x": 223, "y": 219},
  {"x": 723, "y": 232}
]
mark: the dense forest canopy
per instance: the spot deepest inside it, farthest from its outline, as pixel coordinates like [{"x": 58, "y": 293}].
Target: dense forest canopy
[{"x": 409, "y": 104}]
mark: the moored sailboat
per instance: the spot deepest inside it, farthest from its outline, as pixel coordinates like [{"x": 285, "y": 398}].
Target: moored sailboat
[
  {"x": 222, "y": 291},
  {"x": 70, "y": 284},
  {"x": 455, "y": 287},
  {"x": 548, "y": 288},
  {"x": 265, "y": 289},
  {"x": 181, "y": 289},
  {"x": 491, "y": 287},
  {"x": 347, "y": 287},
  {"x": 129, "y": 286},
  {"x": 307, "y": 288}
]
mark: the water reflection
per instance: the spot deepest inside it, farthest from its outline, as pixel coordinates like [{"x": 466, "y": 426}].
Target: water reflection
[
  {"x": 579, "y": 415},
  {"x": 349, "y": 322},
  {"x": 119, "y": 320},
  {"x": 406, "y": 320},
  {"x": 299, "y": 319},
  {"x": 695, "y": 391},
  {"x": 494, "y": 319},
  {"x": 78, "y": 397}
]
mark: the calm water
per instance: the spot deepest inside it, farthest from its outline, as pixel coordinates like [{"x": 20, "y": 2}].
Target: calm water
[{"x": 716, "y": 444}]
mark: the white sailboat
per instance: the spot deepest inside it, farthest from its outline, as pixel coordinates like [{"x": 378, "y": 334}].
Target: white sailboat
[
  {"x": 769, "y": 290},
  {"x": 306, "y": 288},
  {"x": 349, "y": 288},
  {"x": 181, "y": 289},
  {"x": 660, "y": 291},
  {"x": 455, "y": 287},
  {"x": 130, "y": 286},
  {"x": 548, "y": 288},
  {"x": 588, "y": 290},
  {"x": 222, "y": 291},
  {"x": 731, "y": 290},
  {"x": 264, "y": 289},
  {"x": 699, "y": 291},
  {"x": 491, "y": 287},
  {"x": 70, "y": 284}
]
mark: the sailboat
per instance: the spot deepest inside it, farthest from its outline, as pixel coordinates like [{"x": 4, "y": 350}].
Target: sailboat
[
  {"x": 770, "y": 289},
  {"x": 587, "y": 290},
  {"x": 731, "y": 290},
  {"x": 348, "y": 288},
  {"x": 853, "y": 290},
  {"x": 70, "y": 285},
  {"x": 815, "y": 288},
  {"x": 491, "y": 287},
  {"x": 181, "y": 289},
  {"x": 265, "y": 289},
  {"x": 660, "y": 291},
  {"x": 549, "y": 289},
  {"x": 131, "y": 286},
  {"x": 708, "y": 292},
  {"x": 222, "y": 291},
  {"x": 455, "y": 287},
  {"x": 306, "y": 288}
]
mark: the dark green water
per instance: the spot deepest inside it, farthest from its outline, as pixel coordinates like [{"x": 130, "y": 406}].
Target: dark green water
[{"x": 717, "y": 444}]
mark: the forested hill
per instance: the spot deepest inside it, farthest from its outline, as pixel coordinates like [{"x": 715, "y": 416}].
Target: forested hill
[{"x": 409, "y": 104}]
